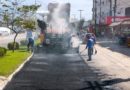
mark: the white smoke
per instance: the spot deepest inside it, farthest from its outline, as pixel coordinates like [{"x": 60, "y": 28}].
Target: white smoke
[
  {"x": 59, "y": 24},
  {"x": 61, "y": 1}
]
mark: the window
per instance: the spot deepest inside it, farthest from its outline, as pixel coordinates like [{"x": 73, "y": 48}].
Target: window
[{"x": 127, "y": 11}]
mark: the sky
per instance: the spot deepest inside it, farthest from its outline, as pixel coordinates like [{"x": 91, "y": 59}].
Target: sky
[{"x": 76, "y": 5}]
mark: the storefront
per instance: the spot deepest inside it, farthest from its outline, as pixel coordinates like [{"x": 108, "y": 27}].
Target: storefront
[
  {"x": 122, "y": 31},
  {"x": 114, "y": 27}
]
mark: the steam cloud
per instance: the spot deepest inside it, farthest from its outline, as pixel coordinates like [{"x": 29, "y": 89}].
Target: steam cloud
[{"x": 59, "y": 23}]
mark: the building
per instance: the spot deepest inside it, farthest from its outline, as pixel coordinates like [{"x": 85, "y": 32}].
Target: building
[{"x": 105, "y": 12}]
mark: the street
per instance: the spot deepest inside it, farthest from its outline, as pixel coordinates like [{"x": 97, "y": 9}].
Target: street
[
  {"x": 60, "y": 38},
  {"x": 113, "y": 62},
  {"x": 68, "y": 70},
  {"x": 54, "y": 71}
]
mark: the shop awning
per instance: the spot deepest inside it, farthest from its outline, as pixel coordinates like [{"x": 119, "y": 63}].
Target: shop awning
[
  {"x": 126, "y": 23},
  {"x": 114, "y": 24}
]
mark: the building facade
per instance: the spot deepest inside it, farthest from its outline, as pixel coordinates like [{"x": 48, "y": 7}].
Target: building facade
[{"x": 107, "y": 11}]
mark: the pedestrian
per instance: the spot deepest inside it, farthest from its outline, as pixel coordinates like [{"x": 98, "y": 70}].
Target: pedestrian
[
  {"x": 89, "y": 46},
  {"x": 93, "y": 37},
  {"x": 75, "y": 42},
  {"x": 30, "y": 44},
  {"x": 30, "y": 39}
]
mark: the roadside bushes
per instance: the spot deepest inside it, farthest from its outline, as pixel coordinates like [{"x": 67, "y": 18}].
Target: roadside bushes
[
  {"x": 10, "y": 46},
  {"x": 3, "y": 51},
  {"x": 23, "y": 42}
]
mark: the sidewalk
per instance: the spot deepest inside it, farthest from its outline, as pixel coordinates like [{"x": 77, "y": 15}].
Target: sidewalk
[
  {"x": 2, "y": 82},
  {"x": 113, "y": 61}
]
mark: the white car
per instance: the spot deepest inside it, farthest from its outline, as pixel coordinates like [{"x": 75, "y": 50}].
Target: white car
[{"x": 4, "y": 31}]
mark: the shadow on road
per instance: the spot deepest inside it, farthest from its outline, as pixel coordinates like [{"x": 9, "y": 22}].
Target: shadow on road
[
  {"x": 98, "y": 86},
  {"x": 115, "y": 81}
]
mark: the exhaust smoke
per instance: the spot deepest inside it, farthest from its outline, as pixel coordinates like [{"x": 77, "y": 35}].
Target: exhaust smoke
[{"x": 59, "y": 14}]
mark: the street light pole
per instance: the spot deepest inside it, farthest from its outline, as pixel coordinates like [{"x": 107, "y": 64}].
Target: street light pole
[
  {"x": 80, "y": 11},
  {"x": 95, "y": 15},
  {"x": 110, "y": 7},
  {"x": 115, "y": 6},
  {"x": 35, "y": 2}
]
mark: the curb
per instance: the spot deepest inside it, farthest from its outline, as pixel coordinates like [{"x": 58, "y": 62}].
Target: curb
[{"x": 16, "y": 71}]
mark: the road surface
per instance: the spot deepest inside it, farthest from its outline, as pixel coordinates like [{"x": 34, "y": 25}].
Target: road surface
[
  {"x": 112, "y": 62},
  {"x": 48, "y": 70}
]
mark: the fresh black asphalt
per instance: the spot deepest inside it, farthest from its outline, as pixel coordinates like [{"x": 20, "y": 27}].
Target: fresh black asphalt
[{"x": 48, "y": 70}]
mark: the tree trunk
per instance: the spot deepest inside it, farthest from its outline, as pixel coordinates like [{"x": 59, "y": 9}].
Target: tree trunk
[{"x": 16, "y": 34}]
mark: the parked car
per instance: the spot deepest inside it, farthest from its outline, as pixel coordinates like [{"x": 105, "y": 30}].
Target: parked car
[{"x": 4, "y": 31}]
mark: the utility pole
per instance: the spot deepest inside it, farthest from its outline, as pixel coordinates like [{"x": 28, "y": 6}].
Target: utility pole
[
  {"x": 110, "y": 7},
  {"x": 80, "y": 11},
  {"x": 99, "y": 25},
  {"x": 35, "y": 2},
  {"x": 115, "y": 6},
  {"x": 95, "y": 15},
  {"x": 100, "y": 12}
]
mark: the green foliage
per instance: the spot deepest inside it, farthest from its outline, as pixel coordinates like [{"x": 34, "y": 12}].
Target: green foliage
[
  {"x": 6, "y": 18},
  {"x": 18, "y": 21},
  {"x": 29, "y": 24},
  {"x": 23, "y": 42},
  {"x": 11, "y": 61},
  {"x": 26, "y": 8},
  {"x": 2, "y": 51},
  {"x": 16, "y": 46}
]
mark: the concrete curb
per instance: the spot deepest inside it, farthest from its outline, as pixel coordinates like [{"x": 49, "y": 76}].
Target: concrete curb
[{"x": 16, "y": 71}]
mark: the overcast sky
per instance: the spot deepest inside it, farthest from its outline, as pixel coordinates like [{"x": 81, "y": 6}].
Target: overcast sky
[{"x": 76, "y": 5}]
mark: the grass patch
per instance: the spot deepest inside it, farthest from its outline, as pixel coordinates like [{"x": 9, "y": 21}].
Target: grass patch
[{"x": 11, "y": 60}]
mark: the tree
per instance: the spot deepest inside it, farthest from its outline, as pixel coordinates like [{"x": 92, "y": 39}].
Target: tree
[
  {"x": 15, "y": 16},
  {"x": 6, "y": 18},
  {"x": 28, "y": 24},
  {"x": 28, "y": 10},
  {"x": 17, "y": 20}
]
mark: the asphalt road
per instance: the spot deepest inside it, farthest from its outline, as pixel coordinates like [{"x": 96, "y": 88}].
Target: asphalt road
[{"x": 50, "y": 70}]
